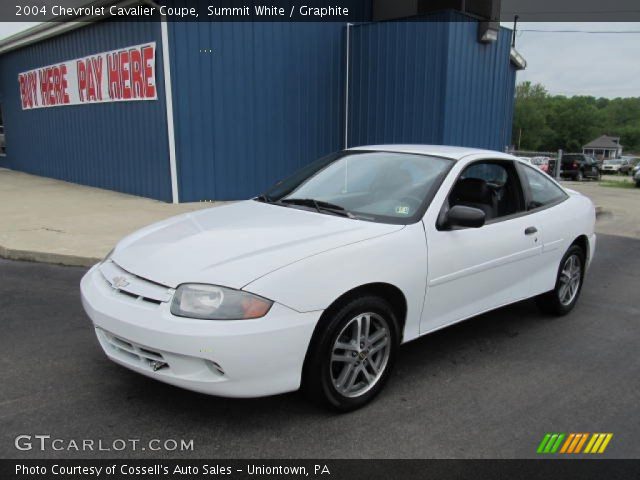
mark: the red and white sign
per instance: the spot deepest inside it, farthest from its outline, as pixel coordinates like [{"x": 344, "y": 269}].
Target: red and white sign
[{"x": 116, "y": 76}]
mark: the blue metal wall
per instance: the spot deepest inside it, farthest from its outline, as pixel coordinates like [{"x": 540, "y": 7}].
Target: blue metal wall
[
  {"x": 396, "y": 81},
  {"x": 255, "y": 101},
  {"x": 479, "y": 92},
  {"x": 430, "y": 82},
  {"x": 120, "y": 146},
  {"x": 267, "y": 100}
]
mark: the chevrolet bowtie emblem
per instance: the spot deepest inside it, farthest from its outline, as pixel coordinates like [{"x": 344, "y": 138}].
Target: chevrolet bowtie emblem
[{"x": 120, "y": 282}]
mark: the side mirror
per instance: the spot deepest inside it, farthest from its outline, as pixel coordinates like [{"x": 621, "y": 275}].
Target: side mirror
[{"x": 461, "y": 216}]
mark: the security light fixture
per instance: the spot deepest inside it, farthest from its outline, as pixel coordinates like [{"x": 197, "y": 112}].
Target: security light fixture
[{"x": 488, "y": 32}]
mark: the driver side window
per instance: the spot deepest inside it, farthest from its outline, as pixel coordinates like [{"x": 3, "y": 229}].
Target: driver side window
[{"x": 492, "y": 186}]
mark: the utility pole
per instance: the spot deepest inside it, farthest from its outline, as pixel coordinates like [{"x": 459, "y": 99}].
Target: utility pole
[{"x": 557, "y": 172}]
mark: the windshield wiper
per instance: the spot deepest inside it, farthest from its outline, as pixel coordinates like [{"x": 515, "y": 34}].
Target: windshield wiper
[
  {"x": 264, "y": 198},
  {"x": 319, "y": 205}
]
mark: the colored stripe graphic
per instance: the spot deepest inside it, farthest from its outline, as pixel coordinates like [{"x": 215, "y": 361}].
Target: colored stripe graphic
[
  {"x": 567, "y": 442},
  {"x": 581, "y": 442},
  {"x": 543, "y": 443},
  {"x": 572, "y": 443},
  {"x": 550, "y": 443},
  {"x": 598, "y": 443}
]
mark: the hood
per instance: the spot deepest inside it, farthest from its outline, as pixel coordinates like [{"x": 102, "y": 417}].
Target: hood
[{"x": 234, "y": 244}]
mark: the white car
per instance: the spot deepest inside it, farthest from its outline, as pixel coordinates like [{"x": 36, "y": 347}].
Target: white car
[
  {"x": 317, "y": 282},
  {"x": 612, "y": 166}
]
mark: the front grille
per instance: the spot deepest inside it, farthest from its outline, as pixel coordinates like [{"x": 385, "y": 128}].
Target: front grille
[
  {"x": 133, "y": 286},
  {"x": 145, "y": 356}
]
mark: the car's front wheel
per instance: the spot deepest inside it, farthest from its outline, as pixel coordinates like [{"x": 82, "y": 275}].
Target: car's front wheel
[
  {"x": 352, "y": 354},
  {"x": 564, "y": 296}
]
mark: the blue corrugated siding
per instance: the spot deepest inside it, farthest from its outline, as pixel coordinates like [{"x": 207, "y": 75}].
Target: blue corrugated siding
[
  {"x": 120, "y": 146},
  {"x": 479, "y": 89},
  {"x": 396, "y": 82},
  {"x": 429, "y": 82},
  {"x": 267, "y": 100}
]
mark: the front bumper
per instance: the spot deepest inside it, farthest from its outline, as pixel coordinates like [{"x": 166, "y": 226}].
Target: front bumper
[
  {"x": 592, "y": 248},
  {"x": 236, "y": 358}
]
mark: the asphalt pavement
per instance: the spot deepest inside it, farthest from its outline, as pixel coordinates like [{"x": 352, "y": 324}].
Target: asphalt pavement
[{"x": 490, "y": 387}]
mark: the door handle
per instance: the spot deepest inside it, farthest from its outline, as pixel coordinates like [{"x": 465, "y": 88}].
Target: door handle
[{"x": 530, "y": 230}]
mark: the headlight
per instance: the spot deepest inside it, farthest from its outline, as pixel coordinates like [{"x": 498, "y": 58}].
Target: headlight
[{"x": 210, "y": 302}]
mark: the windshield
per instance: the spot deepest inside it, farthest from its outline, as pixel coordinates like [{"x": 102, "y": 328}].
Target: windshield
[
  {"x": 376, "y": 186},
  {"x": 613, "y": 162}
]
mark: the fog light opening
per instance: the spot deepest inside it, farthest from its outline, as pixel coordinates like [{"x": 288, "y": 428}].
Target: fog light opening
[{"x": 158, "y": 365}]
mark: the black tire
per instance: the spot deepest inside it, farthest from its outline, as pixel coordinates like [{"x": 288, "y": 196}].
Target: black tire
[
  {"x": 318, "y": 374},
  {"x": 550, "y": 301}
]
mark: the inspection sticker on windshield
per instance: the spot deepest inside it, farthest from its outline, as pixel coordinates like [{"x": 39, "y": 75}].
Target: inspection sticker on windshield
[{"x": 402, "y": 210}]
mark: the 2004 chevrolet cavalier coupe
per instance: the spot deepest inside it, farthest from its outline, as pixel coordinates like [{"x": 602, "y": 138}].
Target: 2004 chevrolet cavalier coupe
[{"x": 318, "y": 281}]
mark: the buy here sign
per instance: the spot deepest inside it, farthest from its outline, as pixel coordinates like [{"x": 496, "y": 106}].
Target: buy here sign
[{"x": 119, "y": 75}]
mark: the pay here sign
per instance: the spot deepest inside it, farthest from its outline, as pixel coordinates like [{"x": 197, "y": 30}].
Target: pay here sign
[{"x": 119, "y": 75}]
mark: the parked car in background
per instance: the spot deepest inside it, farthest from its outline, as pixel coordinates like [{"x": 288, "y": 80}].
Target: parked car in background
[
  {"x": 629, "y": 164},
  {"x": 614, "y": 165},
  {"x": 541, "y": 163},
  {"x": 578, "y": 166},
  {"x": 636, "y": 178},
  {"x": 636, "y": 168},
  {"x": 2, "y": 144}
]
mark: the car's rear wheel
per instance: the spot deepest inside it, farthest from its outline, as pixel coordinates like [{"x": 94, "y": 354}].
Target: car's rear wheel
[
  {"x": 352, "y": 354},
  {"x": 564, "y": 296}
]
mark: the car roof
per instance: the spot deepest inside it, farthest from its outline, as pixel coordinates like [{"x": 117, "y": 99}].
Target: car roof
[{"x": 451, "y": 152}]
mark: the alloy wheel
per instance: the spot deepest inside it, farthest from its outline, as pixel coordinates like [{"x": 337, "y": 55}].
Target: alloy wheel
[
  {"x": 570, "y": 277},
  {"x": 360, "y": 354}
]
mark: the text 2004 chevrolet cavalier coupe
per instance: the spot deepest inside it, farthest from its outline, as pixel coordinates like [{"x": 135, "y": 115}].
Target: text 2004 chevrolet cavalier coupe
[{"x": 317, "y": 282}]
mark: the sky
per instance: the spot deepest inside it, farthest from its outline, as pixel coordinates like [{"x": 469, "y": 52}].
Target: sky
[{"x": 597, "y": 64}]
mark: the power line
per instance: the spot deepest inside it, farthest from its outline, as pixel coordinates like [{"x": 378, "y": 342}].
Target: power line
[
  {"x": 578, "y": 31},
  {"x": 566, "y": 12}
]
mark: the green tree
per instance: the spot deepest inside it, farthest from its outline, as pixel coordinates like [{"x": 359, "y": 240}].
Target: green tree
[
  {"x": 529, "y": 119},
  {"x": 550, "y": 122}
]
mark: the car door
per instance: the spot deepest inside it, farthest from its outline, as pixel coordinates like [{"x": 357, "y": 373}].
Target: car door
[
  {"x": 546, "y": 208},
  {"x": 472, "y": 270},
  {"x": 590, "y": 167}
]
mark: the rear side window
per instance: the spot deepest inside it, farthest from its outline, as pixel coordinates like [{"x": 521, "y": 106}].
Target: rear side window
[
  {"x": 572, "y": 158},
  {"x": 492, "y": 173},
  {"x": 542, "y": 190}
]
